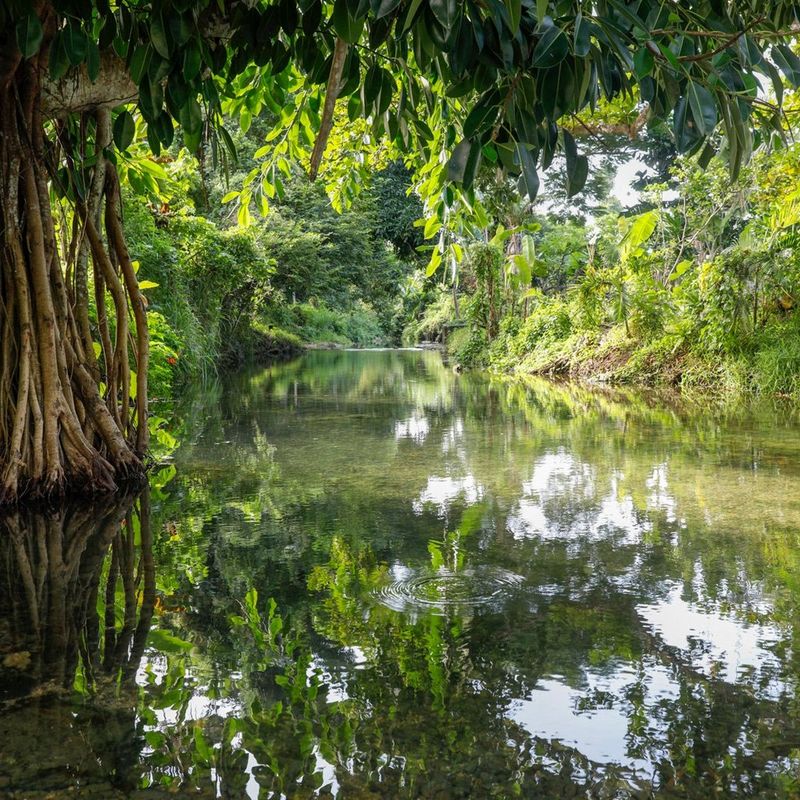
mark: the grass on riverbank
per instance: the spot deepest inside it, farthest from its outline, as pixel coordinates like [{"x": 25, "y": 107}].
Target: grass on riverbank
[{"x": 550, "y": 342}]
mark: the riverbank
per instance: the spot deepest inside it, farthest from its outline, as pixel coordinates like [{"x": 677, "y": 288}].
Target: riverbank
[{"x": 767, "y": 365}]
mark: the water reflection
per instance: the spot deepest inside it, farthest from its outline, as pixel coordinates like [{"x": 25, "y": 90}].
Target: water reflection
[
  {"x": 77, "y": 596},
  {"x": 479, "y": 590}
]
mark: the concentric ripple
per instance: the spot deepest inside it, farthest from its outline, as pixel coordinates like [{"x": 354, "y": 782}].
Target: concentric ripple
[{"x": 443, "y": 590}]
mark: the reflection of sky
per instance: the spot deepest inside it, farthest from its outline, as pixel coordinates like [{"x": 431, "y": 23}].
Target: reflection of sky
[
  {"x": 442, "y": 492},
  {"x": 553, "y": 712},
  {"x": 559, "y": 476},
  {"x": 415, "y": 427},
  {"x": 728, "y": 646}
]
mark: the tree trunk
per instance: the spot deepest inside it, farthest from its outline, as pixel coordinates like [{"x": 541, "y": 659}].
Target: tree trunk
[{"x": 69, "y": 421}]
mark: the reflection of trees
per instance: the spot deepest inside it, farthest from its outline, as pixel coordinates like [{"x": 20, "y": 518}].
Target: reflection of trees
[
  {"x": 422, "y": 674},
  {"x": 429, "y": 705},
  {"x": 77, "y": 595}
]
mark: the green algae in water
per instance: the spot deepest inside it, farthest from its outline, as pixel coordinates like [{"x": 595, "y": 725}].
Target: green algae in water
[{"x": 365, "y": 576}]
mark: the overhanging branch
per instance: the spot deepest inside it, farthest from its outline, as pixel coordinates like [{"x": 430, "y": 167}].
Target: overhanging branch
[{"x": 331, "y": 94}]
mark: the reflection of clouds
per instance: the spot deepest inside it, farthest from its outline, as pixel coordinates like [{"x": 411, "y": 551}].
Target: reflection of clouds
[
  {"x": 415, "y": 427},
  {"x": 441, "y": 492},
  {"x": 599, "y": 727},
  {"x": 727, "y": 646},
  {"x": 557, "y": 472},
  {"x": 453, "y": 438},
  {"x": 199, "y": 705},
  {"x": 619, "y": 514},
  {"x": 659, "y": 497},
  {"x": 560, "y": 481}
]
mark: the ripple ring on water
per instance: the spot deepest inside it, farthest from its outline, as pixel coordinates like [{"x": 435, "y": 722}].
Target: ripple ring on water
[{"x": 445, "y": 589}]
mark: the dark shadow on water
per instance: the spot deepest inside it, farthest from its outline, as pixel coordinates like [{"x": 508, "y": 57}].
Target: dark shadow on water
[{"x": 77, "y": 593}]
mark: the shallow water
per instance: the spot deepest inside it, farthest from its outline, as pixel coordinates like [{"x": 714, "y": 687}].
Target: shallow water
[{"x": 363, "y": 576}]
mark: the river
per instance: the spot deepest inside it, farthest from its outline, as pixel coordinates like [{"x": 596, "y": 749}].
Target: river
[{"x": 361, "y": 575}]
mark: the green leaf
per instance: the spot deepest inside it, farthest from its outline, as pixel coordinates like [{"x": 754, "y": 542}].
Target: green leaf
[
  {"x": 124, "y": 130},
  {"x": 433, "y": 264},
  {"x": 386, "y": 92},
  {"x": 158, "y": 36},
  {"x": 228, "y": 142},
  {"x": 153, "y": 168},
  {"x": 230, "y": 196},
  {"x": 93, "y": 61},
  {"x": 552, "y": 47},
  {"x": 155, "y": 739},
  {"x": 541, "y": 9},
  {"x": 514, "y": 8},
  {"x": 191, "y": 61},
  {"x": 148, "y": 285},
  {"x": 446, "y": 12},
  {"x": 686, "y": 134},
  {"x": 788, "y": 63},
  {"x": 529, "y": 176},
  {"x": 482, "y": 116},
  {"x": 643, "y": 62},
  {"x": 191, "y": 117},
  {"x": 29, "y": 34},
  {"x": 704, "y": 110},
  {"x": 411, "y": 14},
  {"x": 201, "y": 745},
  {"x": 381, "y": 8},
  {"x": 346, "y": 25},
  {"x": 577, "y": 165},
  {"x": 582, "y": 39},
  {"x": 640, "y": 230},
  {"x": 58, "y": 61},
  {"x": 76, "y": 44},
  {"x": 463, "y": 163},
  {"x": 140, "y": 59},
  {"x": 373, "y": 81},
  {"x": 432, "y": 226}
]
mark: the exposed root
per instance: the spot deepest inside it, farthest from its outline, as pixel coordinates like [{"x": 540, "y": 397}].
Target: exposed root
[{"x": 59, "y": 434}]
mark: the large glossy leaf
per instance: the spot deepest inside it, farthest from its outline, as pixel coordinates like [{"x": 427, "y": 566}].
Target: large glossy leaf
[
  {"x": 529, "y": 177},
  {"x": 381, "y": 8},
  {"x": 345, "y": 22},
  {"x": 703, "y": 107},
  {"x": 683, "y": 126},
  {"x": 577, "y": 165},
  {"x": 463, "y": 163},
  {"x": 552, "y": 46},
  {"x": 124, "y": 130},
  {"x": 192, "y": 61},
  {"x": 58, "y": 61},
  {"x": 446, "y": 12},
  {"x": 514, "y": 8},
  {"x": 158, "y": 36},
  {"x": 582, "y": 36},
  {"x": 788, "y": 63},
  {"x": 76, "y": 44},
  {"x": 482, "y": 116}
]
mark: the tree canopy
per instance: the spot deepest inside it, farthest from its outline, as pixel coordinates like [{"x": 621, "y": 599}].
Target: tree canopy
[{"x": 477, "y": 80}]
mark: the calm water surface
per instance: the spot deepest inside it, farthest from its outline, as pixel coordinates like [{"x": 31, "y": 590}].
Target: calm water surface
[{"x": 363, "y": 576}]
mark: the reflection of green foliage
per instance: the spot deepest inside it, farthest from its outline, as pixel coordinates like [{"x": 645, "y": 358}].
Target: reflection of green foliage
[{"x": 324, "y": 482}]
